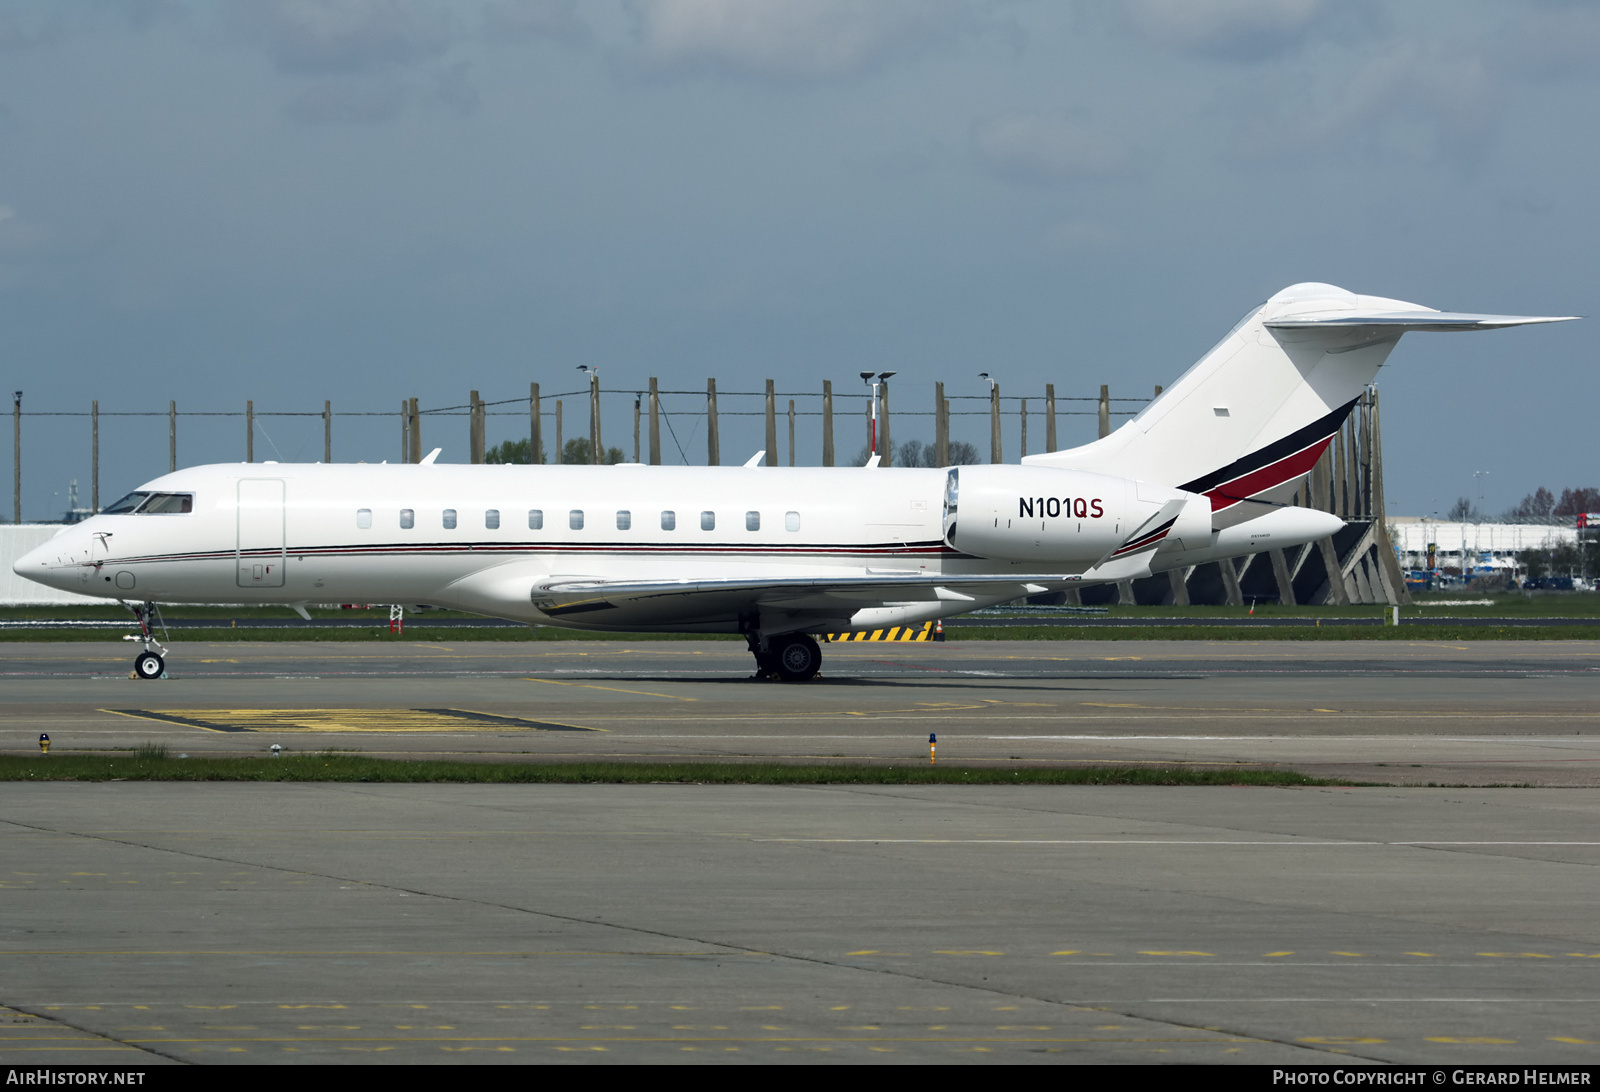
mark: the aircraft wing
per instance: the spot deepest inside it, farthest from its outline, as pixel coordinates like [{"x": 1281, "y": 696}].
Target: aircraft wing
[
  {"x": 558, "y": 597},
  {"x": 1402, "y": 321}
]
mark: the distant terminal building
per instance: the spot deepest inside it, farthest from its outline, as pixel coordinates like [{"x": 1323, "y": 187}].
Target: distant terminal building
[{"x": 1471, "y": 548}]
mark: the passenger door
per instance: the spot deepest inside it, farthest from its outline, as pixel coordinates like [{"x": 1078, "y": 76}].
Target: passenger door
[{"x": 261, "y": 533}]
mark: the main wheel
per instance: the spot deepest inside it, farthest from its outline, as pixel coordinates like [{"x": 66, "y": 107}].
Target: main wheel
[
  {"x": 149, "y": 665},
  {"x": 798, "y": 657}
]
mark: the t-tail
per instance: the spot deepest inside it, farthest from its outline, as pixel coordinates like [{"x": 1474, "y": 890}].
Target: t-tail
[{"x": 1248, "y": 421}]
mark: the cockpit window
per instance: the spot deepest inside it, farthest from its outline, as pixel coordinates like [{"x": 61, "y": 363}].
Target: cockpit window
[
  {"x": 126, "y": 504},
  {"x": 165, "y": 504}
]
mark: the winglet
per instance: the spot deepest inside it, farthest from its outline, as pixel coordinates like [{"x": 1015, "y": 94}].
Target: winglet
[
  {"x": 755, "y": 460},
  {"x": 427, "y": 460}
]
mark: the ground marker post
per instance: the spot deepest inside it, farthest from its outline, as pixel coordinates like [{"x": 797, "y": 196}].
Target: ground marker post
[
  {"x": 44, "y": 743},
  {"x": 933, "y": 749}
]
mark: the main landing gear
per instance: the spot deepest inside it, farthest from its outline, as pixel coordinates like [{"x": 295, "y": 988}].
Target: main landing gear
[
  {"x": 792, "y": 657},
  {"x": 151, "y": 663}
]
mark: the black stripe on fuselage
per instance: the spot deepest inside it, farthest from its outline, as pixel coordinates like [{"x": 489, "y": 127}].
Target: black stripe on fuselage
[{"x": 1318, "y": 430}]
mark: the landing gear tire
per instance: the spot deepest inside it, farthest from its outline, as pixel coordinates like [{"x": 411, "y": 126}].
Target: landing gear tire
[
  {"x": 148, "y": 665},
  {"x": 798, "y": 657}
]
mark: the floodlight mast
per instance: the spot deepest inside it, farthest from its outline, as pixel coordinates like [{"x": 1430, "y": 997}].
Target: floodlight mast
[{"x": 872, "y": 380}]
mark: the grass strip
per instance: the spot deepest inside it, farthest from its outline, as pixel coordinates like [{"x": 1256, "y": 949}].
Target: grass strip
[
  {"x": 147, "y": 765},
  {"x": 1246, "y": 632}
]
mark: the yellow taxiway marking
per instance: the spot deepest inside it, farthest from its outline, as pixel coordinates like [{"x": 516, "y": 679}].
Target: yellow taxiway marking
[
  {"x": 346, "y": 720},
  {"x": 614, "y": 689}
]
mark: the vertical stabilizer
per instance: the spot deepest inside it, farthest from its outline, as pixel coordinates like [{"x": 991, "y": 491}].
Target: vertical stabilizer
[{"x": 1248, "y": 421}]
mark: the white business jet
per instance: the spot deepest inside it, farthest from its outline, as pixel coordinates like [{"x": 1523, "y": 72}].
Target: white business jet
[{"x": 1206, "y": 471}]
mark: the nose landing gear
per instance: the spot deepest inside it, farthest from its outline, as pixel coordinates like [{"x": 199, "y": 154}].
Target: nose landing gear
[{"x": 151, "y": 663}]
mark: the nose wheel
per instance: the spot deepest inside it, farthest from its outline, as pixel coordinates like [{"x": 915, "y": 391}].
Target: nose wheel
[{"x": 151, "y": 663}]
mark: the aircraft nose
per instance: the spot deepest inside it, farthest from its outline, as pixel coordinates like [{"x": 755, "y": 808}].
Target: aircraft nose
[{"x": 49, "y": 563}]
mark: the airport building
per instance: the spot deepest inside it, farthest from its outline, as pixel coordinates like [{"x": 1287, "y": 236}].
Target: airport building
[{"x": 1425, "y": 543}]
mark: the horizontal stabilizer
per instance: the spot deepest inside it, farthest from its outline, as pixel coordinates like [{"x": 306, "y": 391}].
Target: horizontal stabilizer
[{"x": 1401, "y": 321}]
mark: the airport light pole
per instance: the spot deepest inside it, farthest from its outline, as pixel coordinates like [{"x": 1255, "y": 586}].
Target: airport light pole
[
  {"x": 994, "y": 417},
  {"x": 872, "y": 380},
  {"x": 594, "y": 411}
]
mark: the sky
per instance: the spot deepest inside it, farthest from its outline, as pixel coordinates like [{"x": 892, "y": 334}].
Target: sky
[{"x": 363, "y": 200}]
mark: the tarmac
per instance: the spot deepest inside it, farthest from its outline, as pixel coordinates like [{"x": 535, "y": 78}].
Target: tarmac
[{"x": 166, "y": 923}]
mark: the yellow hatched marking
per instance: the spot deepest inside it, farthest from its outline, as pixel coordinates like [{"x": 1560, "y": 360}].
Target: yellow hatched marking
[{"x": 924, "y": 632}]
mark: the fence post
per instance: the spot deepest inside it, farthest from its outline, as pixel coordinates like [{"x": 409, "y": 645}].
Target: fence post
[
  {"x": 16, "y": 457},
  {"x": 250, "y": 431},
  {"x": 655, "y": 423},
  {"x": 172, "y": 437},
  {"x": 597, "y": 453},
  {"x": 1341, "y": 506},
  {"x": 535, "y": 437},
  {"x": 1366, "y": 455},
  {"x": 941, "y": 427},
  {"x": 884, "y": 439},
  {"x": 1105, "y": 410},
  {"x": 327, "y": 431},
  {"x": 1050, "y": 417},
  {"x": 772, "y": 426},
  {"x": 94, "y": 455},
  {"x": 994, "y": 422},
  {"x": 713, "y": 454},
  {"x": 474, "y": 429},
  {"x": 827, "y": 422}
]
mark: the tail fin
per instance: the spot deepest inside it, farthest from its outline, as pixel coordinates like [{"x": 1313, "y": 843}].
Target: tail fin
[{"x": 1250, "y": 419}]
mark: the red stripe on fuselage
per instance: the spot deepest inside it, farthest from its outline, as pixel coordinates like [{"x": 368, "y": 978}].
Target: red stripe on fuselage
[{"x": 1268, "y": 477}]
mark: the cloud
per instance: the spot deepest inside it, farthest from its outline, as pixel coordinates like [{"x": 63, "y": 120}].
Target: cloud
[
  {"x": 343, "y": 36},
  {"x": 1414, "y": 100},
  {"x": 791, "y": 39},
  {"x": 348, "y": 101},
  {"x": 1555, "y": 40},
  {"x": 522, "y": 20},
  {"x": 1238, "y": 30},
  {"x": 1044, "y": 150}
]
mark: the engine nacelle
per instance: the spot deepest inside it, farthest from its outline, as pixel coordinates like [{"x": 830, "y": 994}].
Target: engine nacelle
[{"x": 1034, "y": 513}]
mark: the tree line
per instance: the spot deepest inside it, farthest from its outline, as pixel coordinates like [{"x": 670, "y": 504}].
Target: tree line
[{"x": 1540, "y": 506}]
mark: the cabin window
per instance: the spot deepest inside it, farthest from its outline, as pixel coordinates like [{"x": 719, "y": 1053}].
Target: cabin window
[
  {"x": 624, "y": 520},
  {"x": 575, "y": 519},
  {"x": 126, "y": 504},
  {"x": 491, "y": 519},
  {"x": 752, "y": 521},
  {"x": 449, "y": 519},
  {"x": 535, "y": 519},
  {"x": 791, "y": 521},
  {"x": 166, "y": 504},
  {"x": 708, "y": 521},
  {"x": 669, "y": 521},
  {"x": 364, "y": 518},
  {"x": 408, "y": 519}
]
